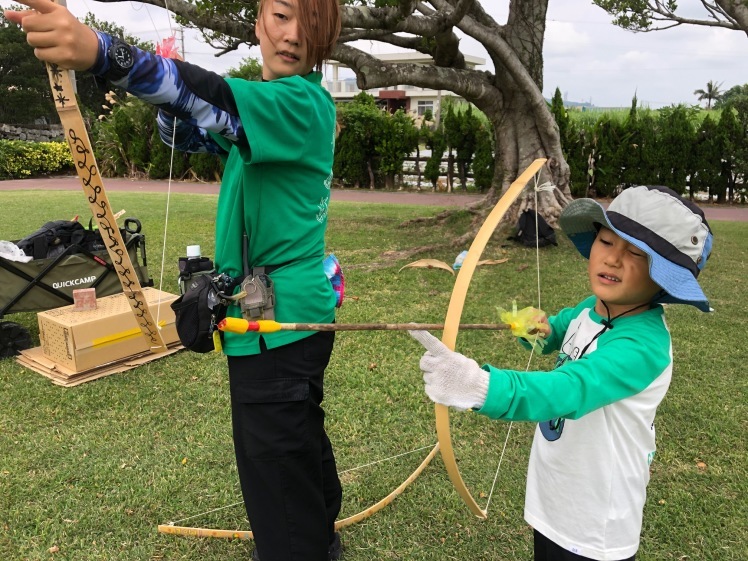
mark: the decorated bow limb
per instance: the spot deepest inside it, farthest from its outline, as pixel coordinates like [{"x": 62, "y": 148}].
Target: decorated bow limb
[
  {"x": 93, "y": 186},
  {"x": 452, "y": 323}
]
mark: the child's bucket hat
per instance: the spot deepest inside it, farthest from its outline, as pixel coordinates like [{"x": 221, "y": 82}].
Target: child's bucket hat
[{"x": 672, "y": 231}]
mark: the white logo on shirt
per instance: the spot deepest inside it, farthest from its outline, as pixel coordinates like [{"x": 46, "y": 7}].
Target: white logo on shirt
[{"x": 324, "y": 202}]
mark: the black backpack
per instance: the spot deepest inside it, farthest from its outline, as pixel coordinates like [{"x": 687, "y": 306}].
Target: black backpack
[
  {"x": 526, "y": 230},
  {"x": 53, "y": 238}
]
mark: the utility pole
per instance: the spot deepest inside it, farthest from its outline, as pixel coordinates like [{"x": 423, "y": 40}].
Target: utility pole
[{"x": 181, "y": 39}]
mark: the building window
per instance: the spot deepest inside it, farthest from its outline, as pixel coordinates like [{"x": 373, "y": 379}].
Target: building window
[{"x": 425, "y": 105}]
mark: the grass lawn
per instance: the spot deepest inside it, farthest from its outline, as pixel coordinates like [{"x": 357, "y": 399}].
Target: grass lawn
[{"x": 90, "y": 471}]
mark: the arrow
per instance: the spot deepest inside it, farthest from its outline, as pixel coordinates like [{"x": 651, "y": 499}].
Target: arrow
[{"x": 239, "y": 325}]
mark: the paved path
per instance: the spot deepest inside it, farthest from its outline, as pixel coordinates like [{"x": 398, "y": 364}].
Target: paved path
[{"x": 731, "y": 214}]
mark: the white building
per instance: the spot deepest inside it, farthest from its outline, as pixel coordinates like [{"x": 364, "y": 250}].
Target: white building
[{"x": 410, "y": 98}]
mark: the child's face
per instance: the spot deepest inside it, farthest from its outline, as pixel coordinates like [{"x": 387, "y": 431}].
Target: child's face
[
  {"x": 619, "y": 274},
  {"x": 284, "y": 50}
]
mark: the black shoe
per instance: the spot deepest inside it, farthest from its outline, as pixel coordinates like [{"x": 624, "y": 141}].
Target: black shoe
[{"x": 334, "y": 552}]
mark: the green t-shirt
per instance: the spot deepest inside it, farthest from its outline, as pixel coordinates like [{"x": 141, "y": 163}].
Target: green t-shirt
[{"x": 277, "y": 190}]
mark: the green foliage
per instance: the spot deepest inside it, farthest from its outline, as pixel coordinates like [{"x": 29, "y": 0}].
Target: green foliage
[
  {"x": 362, "y": 123},
  {"x": 710, "y": 94},
  {"x": 732, "y": 96},
  {"x": 733, "y": 125},
  {"x": 468, "y": 126},
  {"x": 636, "y": 155},
  {"x": 20, "y": 159},
  {"x": 628, "y": 14},
  {"x": 676, "y": 141},
  {"x": 560, "y": 114},
  {"x": 608, "y": 142},
  {"x": 399, "y": 139},
  {"x": 372, "y": 144},
  {"x": 206, "y": 167},
  {"x": 128, "y": 143},
  {"x": 484, "y": 161},
  {"x": 25, "y": 95},
  {"x": 681, "y": 147},
  {"x": 250, "y": 69},
  {"x": 161, "y": 158},
  {"x": 437, "y": 143},
  {"x": 707, "y": 160}
]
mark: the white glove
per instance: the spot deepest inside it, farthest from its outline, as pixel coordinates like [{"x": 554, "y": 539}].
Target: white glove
[{"x": 451, "y": 378}]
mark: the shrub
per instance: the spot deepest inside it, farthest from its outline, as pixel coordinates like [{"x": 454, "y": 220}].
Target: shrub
[{"x": 21, "y": 159}]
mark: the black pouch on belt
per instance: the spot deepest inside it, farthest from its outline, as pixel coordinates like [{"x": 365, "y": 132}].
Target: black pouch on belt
[{"x": 199, "y": 309}]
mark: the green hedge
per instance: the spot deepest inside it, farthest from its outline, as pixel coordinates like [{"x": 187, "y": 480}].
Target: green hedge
[{"x": 21, "y": 159}]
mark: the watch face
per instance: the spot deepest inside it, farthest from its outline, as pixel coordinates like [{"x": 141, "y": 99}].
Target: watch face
[{"x": 123, "y": 56}]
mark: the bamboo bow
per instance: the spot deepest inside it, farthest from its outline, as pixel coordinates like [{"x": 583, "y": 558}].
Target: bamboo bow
[
  {"x": 452, "y": 323},
  {"x": 93, "y": 186}
]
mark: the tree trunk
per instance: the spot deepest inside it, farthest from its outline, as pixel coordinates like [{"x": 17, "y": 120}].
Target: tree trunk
[
  {"x": 418, "y": 168},
  {"x": 511, "y": 97},
  {"x": 372, "y": 186}
]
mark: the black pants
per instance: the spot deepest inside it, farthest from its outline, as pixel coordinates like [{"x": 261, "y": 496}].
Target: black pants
[
  {"x": 285, "y": 461},
  {"x": 546, "y": 550}
]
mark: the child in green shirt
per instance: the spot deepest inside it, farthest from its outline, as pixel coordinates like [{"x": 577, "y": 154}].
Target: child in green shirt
[{"x": 589, "y": 463}]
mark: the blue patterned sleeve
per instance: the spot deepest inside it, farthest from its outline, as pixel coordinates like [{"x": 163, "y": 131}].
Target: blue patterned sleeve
[{"x": 200, "y": 100}]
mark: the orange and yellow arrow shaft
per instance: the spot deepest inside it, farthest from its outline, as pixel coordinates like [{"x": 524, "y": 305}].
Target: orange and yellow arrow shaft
[{"x": 239, "y": 325}]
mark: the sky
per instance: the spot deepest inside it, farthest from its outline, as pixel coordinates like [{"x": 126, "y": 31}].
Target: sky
[{"x": 585, "y": 56}]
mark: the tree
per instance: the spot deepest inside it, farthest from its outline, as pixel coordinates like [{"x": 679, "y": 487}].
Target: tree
[
  {"x": 437, "y": 143},
  {"x": 677, "y": 136},
  {"x": 451, "y": 123},
  {"x": 25, "y": 96},
  {"x": 510, "y": 96},
  {"x": 707, "y": 155},
  {"x": 250, "y": 69},
  {"x": 398, "y": 139},
  {"x": 734, "y": 125},
  {"x": 469, "y": 125},
  {"x": 560, "y": 114},
  {"x": 734, "y": 94},
  {"x": 710, "y": 94},
  {"x": 655, "y": 15},
  {"x": 484, "y": 161},
  {"x": 362, "y": 122}
]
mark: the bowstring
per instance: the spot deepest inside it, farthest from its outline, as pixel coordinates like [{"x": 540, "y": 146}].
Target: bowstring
[
  {"x": 171, "y": 175},
  {"x": 536, "y": 189},
  {"x": 349, "y": 470}
]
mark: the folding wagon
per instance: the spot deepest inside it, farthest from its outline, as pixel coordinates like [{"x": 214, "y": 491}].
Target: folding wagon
[{"x": 63, "y": 264}]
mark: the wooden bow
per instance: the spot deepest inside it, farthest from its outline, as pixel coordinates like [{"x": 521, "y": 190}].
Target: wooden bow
[
  {"x": 93, "y": 186},
  {"x": 451, "y": 328},
  {"x": 452, "y": 323}
]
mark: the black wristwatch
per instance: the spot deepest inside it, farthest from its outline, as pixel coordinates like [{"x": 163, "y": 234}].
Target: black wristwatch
[{"x": 120, "y": 58}]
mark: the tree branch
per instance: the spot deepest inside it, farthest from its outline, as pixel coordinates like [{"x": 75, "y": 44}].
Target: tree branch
[{"x": 728, "y": 14}]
